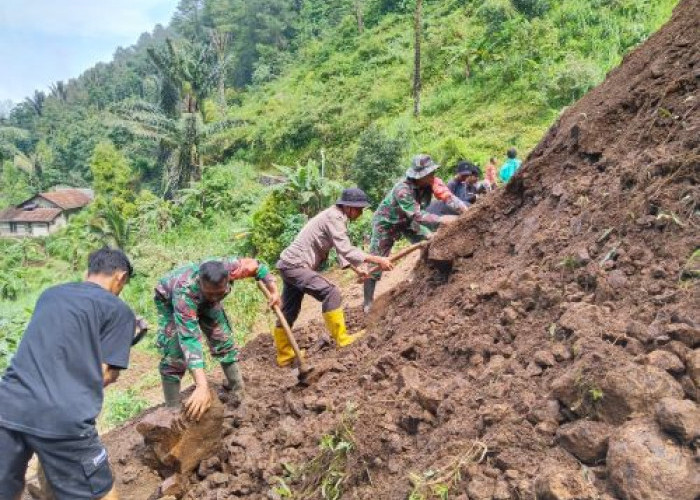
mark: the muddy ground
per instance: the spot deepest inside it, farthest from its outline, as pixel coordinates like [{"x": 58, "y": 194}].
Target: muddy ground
[{"x": 547, "y": 347}]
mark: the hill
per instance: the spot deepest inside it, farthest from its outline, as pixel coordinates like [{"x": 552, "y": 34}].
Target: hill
[{"x": 548, "y": 346}]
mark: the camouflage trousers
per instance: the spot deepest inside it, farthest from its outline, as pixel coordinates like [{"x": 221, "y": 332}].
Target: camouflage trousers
[
  {"x": 214, "y": 325},
  {"x": 383, "y": 239}
]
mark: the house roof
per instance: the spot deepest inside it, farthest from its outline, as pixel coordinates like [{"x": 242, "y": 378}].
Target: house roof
[
  {"x": 36, "y": 215},
  {"x": 67, "y": 198}
]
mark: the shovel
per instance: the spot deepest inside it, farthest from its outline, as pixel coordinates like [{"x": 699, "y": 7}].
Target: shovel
[
  {"x": 401, "y": 254},
  {"x": 304, "y": 369}
]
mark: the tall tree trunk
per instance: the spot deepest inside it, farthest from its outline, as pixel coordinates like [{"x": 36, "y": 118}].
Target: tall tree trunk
[
  {"x": 417, "y": 22},
  {"x": 360, "y": 18},
  {"x": 220, "y": 41}
]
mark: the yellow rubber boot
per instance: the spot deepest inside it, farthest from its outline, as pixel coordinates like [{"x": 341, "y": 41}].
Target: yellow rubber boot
[
  {"x": 335, "y": 322},
  {"x": 285, "y": 353}
]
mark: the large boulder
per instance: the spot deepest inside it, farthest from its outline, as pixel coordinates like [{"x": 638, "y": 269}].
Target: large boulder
[
  {"x": 680, "y": 418},
  {"x": 613, "y": 392},
  {"x": 175, "y": 444},
  {"x": 643, "y": 464},
  {"x": 587, "y": 440}
]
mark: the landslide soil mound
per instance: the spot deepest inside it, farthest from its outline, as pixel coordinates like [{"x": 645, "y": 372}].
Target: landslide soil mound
[{"x": 547, "y": 346}]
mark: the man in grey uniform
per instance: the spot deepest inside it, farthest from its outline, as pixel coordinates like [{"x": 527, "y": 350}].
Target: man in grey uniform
[{"x": 300, "y": 261}]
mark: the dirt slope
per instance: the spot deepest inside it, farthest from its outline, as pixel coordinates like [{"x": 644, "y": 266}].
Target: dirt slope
[{"x": 549, "y": 346}]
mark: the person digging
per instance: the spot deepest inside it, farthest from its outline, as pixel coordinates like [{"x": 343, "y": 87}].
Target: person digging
[
  {"x": 77, "y": 343},
  {"x": 403, "y": 212},
  {"x": 188, "y": 301},
  {"x": 299, "y": 264}
]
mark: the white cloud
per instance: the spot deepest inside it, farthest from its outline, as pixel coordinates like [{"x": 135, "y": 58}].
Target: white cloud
[{"x": 89, "y": 18}]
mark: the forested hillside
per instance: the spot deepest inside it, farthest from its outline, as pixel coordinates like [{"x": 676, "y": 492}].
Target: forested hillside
[{"x": 173, "y": 133}]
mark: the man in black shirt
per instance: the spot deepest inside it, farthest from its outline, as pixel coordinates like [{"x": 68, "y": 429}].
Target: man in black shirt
[{"x": 76, "y": 343}]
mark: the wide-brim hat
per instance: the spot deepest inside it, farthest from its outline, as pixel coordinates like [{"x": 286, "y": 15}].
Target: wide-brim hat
[
  {"x": 353, "y": 197},
  {"x": 421, "y": 165}
]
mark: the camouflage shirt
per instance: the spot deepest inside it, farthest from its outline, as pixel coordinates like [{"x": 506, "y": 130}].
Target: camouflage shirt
[
  {"x": 404, "y": 208},
  {"x": 181, "y": 290}
]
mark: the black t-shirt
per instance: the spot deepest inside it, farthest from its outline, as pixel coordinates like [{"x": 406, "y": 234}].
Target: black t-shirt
[{"x": 53, "y": 386}]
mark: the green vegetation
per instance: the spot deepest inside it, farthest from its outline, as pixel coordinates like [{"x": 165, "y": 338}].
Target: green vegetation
[
  {"x": 121, "y": 405},
  {"x": 173, "y": 133},
  {"x": 324, "y": 475}
]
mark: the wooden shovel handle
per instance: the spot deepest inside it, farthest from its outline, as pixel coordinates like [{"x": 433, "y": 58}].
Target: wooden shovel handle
[
  {"x": 401, "y": 254},
  {"x": 285, "y": 326}
]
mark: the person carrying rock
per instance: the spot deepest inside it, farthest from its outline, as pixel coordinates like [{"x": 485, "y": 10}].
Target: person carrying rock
[
  {"x": 188, "y": 301},
  {"x": 403, "y": 213},
  {"x": 299, "y": 263},
  {"x": 77, "y": 343}
]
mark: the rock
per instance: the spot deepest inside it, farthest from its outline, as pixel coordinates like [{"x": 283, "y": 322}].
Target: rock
[
  {"x": 409, "y": 381},
  {"x": 644, "y": 464},
  {"x": 691, "y": 391},
  {"x": 563, "y": 485},
  {"x": 492, "y": 414},
  {"x": 533, "y": 370},
  {"x": 178, "y": 444},
  {"x": 638, "y": 331},
  {"x": 615, "y": 393},
  {"x": 666, "y": 361},
  {"x": 172, "y": 486},
  {"x": 209, "y": 466},
  {"x": 219, "y": 479},
  {"x": 501, "y": 491},
  {"x": 587, "y": 320},
  {"x": 679, "y": 417},
  {"x": 545, "y": 411},
  {"x": 481, "y": 488},
  {"x": 692, "y": 362},
  {"x": 561, "y": 352},
  {"x": 547, "y": 428},
  {"x": 587, "y": 440},
  {"x": 544, "y": 358},
  {"x": 682, "y": 332},
  {"x": 509, "y": 316},
  {"x": 617, "y": 280}
]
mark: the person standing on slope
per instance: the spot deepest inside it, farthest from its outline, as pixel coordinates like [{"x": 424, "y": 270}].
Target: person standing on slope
[
  {"x": 188, "y": 301},
  {"x": 76, "y": 343},
  {"x": 511, "y": 165},
  {"x": 403, "y": 213},
  {"x": 299, "y": 264}
]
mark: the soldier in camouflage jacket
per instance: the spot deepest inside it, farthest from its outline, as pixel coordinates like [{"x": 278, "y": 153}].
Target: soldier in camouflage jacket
[
  {"x": 188, "y": 301},
  {"x": 403, "y": 213}
]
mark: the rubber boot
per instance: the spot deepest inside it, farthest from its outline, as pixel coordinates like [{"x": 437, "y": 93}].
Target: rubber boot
[
  {"x": 171, "y": 393},
  {"x": 335, "y": 322},
  {"x": 369, "y": 287},
  {"x": 285, "y": 353},
  {"x": 233, "y": 377}
]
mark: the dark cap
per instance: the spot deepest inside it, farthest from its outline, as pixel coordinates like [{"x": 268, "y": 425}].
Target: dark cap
[
  {"x": 353, "y": 197},
  {"x": 467, "y": 168}
]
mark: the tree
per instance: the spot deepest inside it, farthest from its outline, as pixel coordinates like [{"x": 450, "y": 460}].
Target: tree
[
  {"x": 37, "y": 102},
  {"x": 307, "y": 188},
  {"x": 111, "y": 173},
  {"x": 377, "y": 162},
  {"x": 417, "y": 22}
]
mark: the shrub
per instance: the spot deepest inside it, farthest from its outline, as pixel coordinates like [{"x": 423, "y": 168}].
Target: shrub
[
  {"x": 532, "y": 8},
  {"x": 571, "y": 81},
  {"x": 268, "y": 222}
]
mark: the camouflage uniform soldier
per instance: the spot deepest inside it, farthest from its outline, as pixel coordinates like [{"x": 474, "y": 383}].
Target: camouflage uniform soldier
[
  {"x": 403, "y": 213},
  {"x": 188, "y": 301}
]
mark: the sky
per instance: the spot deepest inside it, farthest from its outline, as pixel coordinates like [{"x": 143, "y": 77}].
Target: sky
[{"x": 45, "y": 41}]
